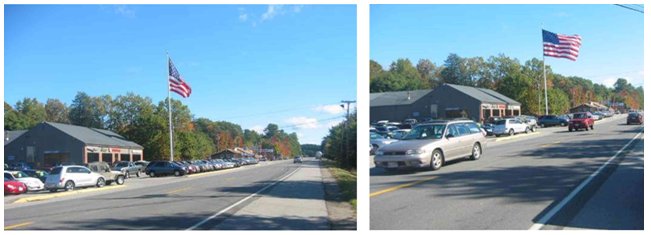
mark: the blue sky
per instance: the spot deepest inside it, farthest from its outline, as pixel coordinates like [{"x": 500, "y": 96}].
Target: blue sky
[
  {"x": 612, "y": 43},
  {"x": 247, "y": 64}
]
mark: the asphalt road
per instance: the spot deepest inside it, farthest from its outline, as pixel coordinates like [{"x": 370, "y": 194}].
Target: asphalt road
[
  {"x": 514, "y": 185},
  {"x": 165, "y": 203}
]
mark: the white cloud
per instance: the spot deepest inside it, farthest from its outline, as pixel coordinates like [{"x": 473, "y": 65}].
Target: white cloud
[
  {"x": 258, "y": 128},
  {"x": 298, "y": 8},
  {"x": 330, "y": 109},
  {"x": 609, "y": 82},
  {"x": 303, "y": 122},
  {"x": 333, "y": 123},
  {"x": 272, "y": 11},
  {"x": 243, "y": 16},
  {"x": 124, "y": 11}
]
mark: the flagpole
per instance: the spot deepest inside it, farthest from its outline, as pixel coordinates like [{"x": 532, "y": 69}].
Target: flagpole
[
  {"x": 169, "y": 108},
  {"x": 545, "y": 78}
]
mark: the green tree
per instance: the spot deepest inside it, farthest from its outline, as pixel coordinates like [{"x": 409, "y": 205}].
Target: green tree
[
  {"x": 14, "y": 120},
  {"x": 32, "y": 111},
  {"x": 56, "y": 111}
]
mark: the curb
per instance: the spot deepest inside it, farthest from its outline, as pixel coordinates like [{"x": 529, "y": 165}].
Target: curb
[
  {"x": 64, "y": 194},
  {"x": 498, "y": 139}
]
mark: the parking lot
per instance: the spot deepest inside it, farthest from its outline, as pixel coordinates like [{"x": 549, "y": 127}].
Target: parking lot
[{"x": 522, "y": 182}]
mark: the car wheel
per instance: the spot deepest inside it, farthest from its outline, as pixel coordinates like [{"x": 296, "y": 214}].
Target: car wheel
[
  {"x": 120, "y": 180},
  {"x": 526, "y": 130},
  {"x": 476, "y": 152},
  {"x": 53, "y": 190},
  {"x": 533, "y": 129},
  {"x": 542, "y": 125},
  {"x": 569, "y": 129},
  {"x": 437, "y": 160},
  {"x": 592, "y": 127},
  {"x": 511, "y": 132},
  {"x": 69, "y": 186},
  {"x": 177, "y": 173},
  {"x": 100, "y": 182},
  {"x": 138, "y": 174},
  {"x": 152, "y": 174}
]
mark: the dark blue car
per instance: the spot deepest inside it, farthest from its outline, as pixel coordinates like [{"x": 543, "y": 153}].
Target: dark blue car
[
  {"x": 552, "y": 120},
  {"x": 158, "y": 168}
]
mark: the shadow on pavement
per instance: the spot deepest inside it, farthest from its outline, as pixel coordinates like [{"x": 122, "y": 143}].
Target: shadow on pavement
[{"x": 249, "y": 222}]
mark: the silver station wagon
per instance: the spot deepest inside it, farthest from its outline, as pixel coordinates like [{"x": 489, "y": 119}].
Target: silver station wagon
[{"x": 430, "y": 145}]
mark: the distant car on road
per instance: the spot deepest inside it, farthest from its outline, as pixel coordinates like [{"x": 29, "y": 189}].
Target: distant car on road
[
  {"x": 636, "y": 117},
  {"x": 552, "y": 120},
  {"x": 71, "y": 177},
  {"x": 509, "y": 126},
  {"x": 298, "y": 160},
  {"x": 14, "y": 187},
  {"x": 582, "y": 120},
  {"x": 158, "y": 168},
  {"x": 431, "y": 145}
]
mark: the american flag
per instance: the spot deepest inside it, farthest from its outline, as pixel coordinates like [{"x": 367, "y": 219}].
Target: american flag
[
  {"x": 561, "y": 46},
  {"x": 176, "y": 82}
]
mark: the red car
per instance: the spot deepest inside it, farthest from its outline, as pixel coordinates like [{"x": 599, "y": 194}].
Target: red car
[
  {"x": 581, "y": 120},
  {"x": 14, "y": 187}
]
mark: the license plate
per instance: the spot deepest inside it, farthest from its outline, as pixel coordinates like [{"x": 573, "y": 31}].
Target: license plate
[{"x": 393, "y": 164}]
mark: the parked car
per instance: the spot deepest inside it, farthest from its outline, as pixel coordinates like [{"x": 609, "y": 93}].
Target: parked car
[
  {"x": 41, "y": 175},
  {"x": 14, "y": 187},
  {"x": 142, "y": 165},
  {"x": 552, "y": 120},
  {"x": 71, "y": 177},
  {"x": 398, "y": 134},
  {"x": 109, "y": 175},
  {"x": 509, "y": 126},
  {"x": 385, "y": 130},
  {"x": 410, "y": 121},
  {"x": 32, "y": 184},
  {"x": 298, "y": 160},
  {"x": 127, "y": 168},
  {"x": 531, "y": 121},
  {"x": 637, "y": 118},
  {"x": 431, "y": 145},
  {"x": 378, "y": 141},
  {"x": 158, "y": 168},
  {"x": 582, "y": 120},
  {"x": 19, "y": 166}
]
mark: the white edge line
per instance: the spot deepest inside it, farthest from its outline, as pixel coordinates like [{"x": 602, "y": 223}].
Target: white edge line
[
  {"x": 241, "y": 201},
  {"x": 559, "y": 206}
]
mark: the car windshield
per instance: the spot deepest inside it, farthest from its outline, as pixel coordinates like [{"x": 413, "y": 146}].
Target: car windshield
[
  {"x": 376, "y": 136},
  {"x": 56, "y": 171},
  {"x": 500, "y": 122},
  {"x": 579, "y": 115},
  {"x": 425, "y": 132},
  {"x": 632, "y": 114},
  {"x": 20, "y": 174},
  {"x": 122, "y": 164}
]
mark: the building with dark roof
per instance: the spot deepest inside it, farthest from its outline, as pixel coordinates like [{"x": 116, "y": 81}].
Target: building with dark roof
[
  {"x": 48, "y": 144},
  {"x": 446, "y": 101}
]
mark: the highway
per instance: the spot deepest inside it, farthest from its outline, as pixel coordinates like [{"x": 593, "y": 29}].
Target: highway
[
  {"x": 228, "y": 199},
  {"x": 541, "y": 181}
]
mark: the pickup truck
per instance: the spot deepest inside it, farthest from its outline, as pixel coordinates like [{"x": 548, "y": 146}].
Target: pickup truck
[{"x": 581, "y": 120}]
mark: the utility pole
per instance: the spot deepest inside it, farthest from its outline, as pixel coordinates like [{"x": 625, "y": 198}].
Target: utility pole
[{"x": 347, "y": 102}]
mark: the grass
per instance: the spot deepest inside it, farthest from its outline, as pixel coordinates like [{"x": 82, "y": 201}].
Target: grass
[{"x": 347, "y": 181}]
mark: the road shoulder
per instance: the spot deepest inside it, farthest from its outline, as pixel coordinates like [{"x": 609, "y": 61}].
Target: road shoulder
[{"x": 341, "y": 214}]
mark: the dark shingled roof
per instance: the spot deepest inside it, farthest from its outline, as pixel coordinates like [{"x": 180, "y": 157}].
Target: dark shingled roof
[
  {"x": 12, "y": 135},
  {"x": 397, "y": 97},
  {"x": 484, "y": 95},
  {"x": 94, "y": 136}
]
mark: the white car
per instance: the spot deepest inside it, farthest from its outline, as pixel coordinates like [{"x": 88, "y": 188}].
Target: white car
[
  {"x": 509, "y": 126},
  {"x": 71, "y": 177},
  {"x": 378, "y": 141},
  {"x": 33, "y": 184}
]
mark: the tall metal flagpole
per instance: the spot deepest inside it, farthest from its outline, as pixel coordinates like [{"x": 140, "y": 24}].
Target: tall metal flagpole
[
  {"x": 169, "y": 107},
  {"x": 545, "y": 78}
]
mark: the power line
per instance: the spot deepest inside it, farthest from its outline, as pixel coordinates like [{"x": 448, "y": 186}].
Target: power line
[
  {"x": 630, "y": 8},
  {"x": 317, "y": 121}
]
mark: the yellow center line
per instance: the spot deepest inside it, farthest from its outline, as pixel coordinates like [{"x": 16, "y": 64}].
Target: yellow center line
[
  {"x": 401, "y": 186},
  {"x": 178, "y": 190},
  {"x": 17, "y": 225}
]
